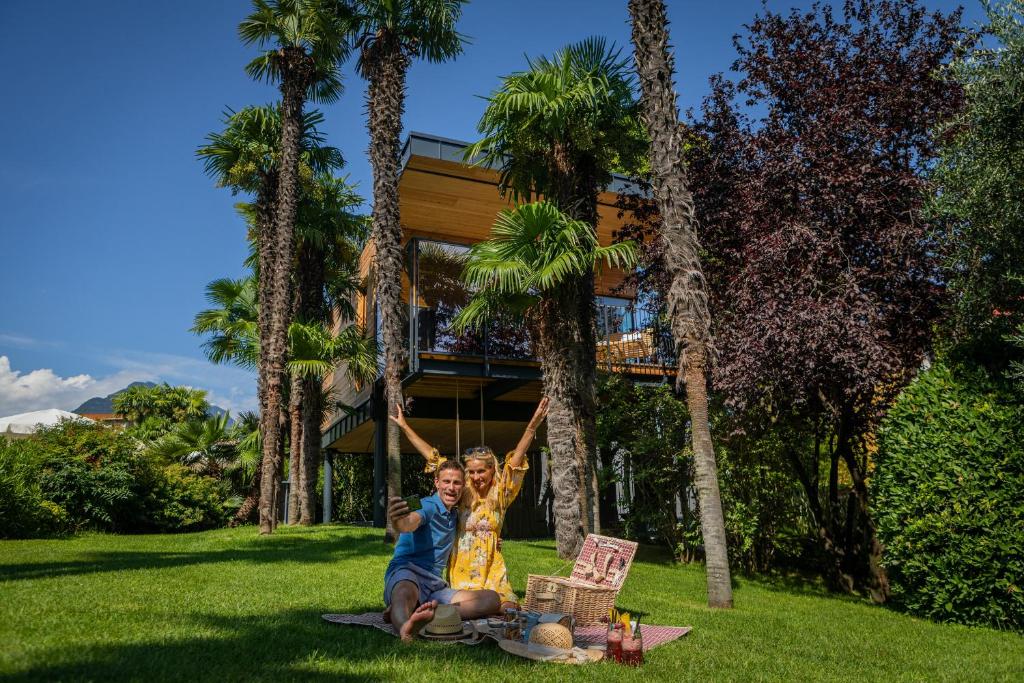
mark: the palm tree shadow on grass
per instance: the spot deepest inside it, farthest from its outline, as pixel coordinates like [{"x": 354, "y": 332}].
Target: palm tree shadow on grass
[
  {"x": 265, "y": 550},
  {"x": 291, "y": 645}
]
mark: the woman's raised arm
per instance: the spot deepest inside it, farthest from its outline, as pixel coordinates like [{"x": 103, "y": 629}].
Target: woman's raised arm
[
  {"x": 425, "y": 449},
  {"x": 519, "y": 454}
]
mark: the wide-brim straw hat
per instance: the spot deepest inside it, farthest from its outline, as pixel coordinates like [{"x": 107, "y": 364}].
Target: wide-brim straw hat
[
  {"x": 540, "y": 653},
  {"x": 446, "y": 621}
]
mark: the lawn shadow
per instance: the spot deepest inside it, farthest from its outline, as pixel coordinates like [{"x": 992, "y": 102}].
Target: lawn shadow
[
  {"x": 292, "y": 645},
  {"x": 276, "y": 548}
]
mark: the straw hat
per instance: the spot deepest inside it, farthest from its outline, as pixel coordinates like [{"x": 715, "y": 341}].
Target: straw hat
[
  {"x": 551, "y": 635},
  {"x": 446, "y": 621}
]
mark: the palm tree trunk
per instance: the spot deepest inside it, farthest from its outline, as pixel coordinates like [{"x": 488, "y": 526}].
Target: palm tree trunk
[
  {"x": 385, "y": 106},
  {"x": 295, "y": 469},
  {"x": 275, "y": 274},
  {"x": 311, "y": 410},
  {"x": 574, "y": 191},
  {"x": 561, "y": 386},
  {"x": 687, "y": 295},
  {"x": 251, "y": 502}
]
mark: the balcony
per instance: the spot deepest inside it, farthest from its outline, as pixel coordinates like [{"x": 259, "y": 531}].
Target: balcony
[{"x": 630, "y": 338}]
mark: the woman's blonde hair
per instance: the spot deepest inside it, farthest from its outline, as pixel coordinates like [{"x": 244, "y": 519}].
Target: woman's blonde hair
[{"x": 481, "y": 453}]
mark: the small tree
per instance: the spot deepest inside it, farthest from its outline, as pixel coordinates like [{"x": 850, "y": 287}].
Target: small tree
[
  {"x": 979, "y": 206},
  {"x": 557, "y": 130}
]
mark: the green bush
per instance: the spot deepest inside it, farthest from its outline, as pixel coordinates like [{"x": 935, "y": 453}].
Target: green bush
[
  {"x": 95, "y": 474},
  {"x": 182, "y": 501},
  {"x": 949, "y": 499},
  {"x": 78, "y": 476},
  {"x": 766, "y": 523},
  {"x": 23, "y": 511}
]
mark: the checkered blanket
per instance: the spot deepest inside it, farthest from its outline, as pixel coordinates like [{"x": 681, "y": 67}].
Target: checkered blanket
[{"x": 583, "y": 636}]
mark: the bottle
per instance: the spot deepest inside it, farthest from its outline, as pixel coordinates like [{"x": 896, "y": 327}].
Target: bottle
[{"x": 613, "y": 650}]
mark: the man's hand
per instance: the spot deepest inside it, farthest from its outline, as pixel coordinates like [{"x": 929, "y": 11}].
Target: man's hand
[
  {"x": 399, "y": 417},
  {"x": 397, "y": 509}
]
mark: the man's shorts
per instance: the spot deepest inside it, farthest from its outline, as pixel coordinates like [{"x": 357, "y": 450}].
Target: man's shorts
[{"x": 431, "y": 587}]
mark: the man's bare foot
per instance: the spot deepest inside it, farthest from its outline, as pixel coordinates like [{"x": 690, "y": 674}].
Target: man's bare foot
[
  {"x": 417, "y": 620},
  {"x": 387, "y": 615}
]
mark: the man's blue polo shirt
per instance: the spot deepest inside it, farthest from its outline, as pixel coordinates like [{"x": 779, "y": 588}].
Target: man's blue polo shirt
[{"x": 429, "y": 546}]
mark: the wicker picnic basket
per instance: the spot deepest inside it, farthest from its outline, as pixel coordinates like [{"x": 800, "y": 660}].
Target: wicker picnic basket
[{"x": 590, "y": 591}]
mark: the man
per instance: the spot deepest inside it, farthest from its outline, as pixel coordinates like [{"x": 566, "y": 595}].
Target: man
[{"x": 413, "y": 583}]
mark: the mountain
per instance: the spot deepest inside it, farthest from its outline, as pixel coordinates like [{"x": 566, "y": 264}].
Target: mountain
[{"x": 105, "y": 404}]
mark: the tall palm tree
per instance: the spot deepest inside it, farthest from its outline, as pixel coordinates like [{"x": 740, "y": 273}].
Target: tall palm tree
[
  {"x": 326, "y": 269},
  {"x": 557, "y": 129},
  {"x": 531, "y": 266},
  {"x": 391, "y": 33},
  {"x": 246, "y": 157},
  {"x": 687, "y": 295},
  {"x": 303, "y": 43}
]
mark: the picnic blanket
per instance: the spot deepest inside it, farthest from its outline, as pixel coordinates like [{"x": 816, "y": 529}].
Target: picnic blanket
[{"x": 583, "y": 636}]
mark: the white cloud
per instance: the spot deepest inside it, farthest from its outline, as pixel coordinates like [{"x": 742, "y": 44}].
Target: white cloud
[
  {"x": 43, "y": 388},
  {"x": 231, "y": 388}
]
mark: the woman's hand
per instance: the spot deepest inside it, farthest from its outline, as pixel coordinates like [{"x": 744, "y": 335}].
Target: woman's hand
[
  {"x": 399, "y": 419},
  {"x": 539, "y": 414}
]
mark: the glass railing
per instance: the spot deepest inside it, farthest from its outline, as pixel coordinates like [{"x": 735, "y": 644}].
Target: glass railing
[{"x": 627, "y": 333}]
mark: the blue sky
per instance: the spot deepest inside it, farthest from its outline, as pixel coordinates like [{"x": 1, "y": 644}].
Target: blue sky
[{"x": 110, "y": 230}]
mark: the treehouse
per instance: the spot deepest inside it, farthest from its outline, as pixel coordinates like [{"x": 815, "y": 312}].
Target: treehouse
[{"x": 478, "y": 386}]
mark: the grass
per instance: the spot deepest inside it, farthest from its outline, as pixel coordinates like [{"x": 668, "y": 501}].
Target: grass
[{"x": 229, "y": 605}]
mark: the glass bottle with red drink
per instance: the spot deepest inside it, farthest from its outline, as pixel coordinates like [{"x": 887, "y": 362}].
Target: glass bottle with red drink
[
  {"x": 632, "y": 649},
  {"x": 613, "y": 650}
]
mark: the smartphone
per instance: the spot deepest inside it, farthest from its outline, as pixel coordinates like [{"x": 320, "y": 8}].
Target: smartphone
[{"x": 413, "y": 502}]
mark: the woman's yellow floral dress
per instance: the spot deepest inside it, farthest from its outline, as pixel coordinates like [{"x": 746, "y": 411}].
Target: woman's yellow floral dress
[{"x": 476, "y": 562}]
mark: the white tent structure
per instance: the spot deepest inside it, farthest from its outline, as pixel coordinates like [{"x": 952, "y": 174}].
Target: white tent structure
[{"x": 26, "y": 424}]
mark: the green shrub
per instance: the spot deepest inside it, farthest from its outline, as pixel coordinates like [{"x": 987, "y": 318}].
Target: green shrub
[
  {"x": 86, "y": 476},
  {"x": 949, "y": 499},
  {"x": 23, "y": 511},
  {"x": 182, "y": 501},
  {"x": 95, "y": 474},
  {"x": 766, "y": 522}
]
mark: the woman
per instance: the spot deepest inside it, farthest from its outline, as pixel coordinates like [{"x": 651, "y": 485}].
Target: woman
[{"x": 476, "y": 562}]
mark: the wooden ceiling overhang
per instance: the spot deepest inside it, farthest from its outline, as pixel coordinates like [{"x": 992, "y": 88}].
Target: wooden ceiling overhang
[{"x": 443, "y": 198}]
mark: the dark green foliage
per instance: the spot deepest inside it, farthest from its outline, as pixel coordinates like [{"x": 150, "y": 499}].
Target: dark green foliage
[
  {"x": 94, "y": 473},
  {"x": 949, "y": 496},
  {"x": 78, "y": 476},
  {"x": 979, "y": 209},
  {"x": 765, "y": 516},
  {"x": 181, "y": 501},
  {"x": 647, "y": 428},
  {"x": 24, "y": 512},
  {"x": 353, "y": 484}
]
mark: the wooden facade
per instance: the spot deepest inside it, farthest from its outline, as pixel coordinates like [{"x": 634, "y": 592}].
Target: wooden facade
[{"x": 462, "y": 399}]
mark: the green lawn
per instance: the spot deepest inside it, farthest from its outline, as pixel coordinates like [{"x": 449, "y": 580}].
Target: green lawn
[{"x": 229, "y": 605}]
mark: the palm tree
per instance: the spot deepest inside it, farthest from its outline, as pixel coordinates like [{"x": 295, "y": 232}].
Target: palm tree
[
  {"x": 391, "y": 33},
  {"x": 314, "y": 350},
  {"x": 246, "y": 157},
  {"x": 204, "y": 446},
  {"x": 304, "y": 45},
  {"x": 556, "y": 130},
  {"x": 687, "y": 295},
  {"x": 530, "y": 266},
  {"x": 326, "y": 271}
]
